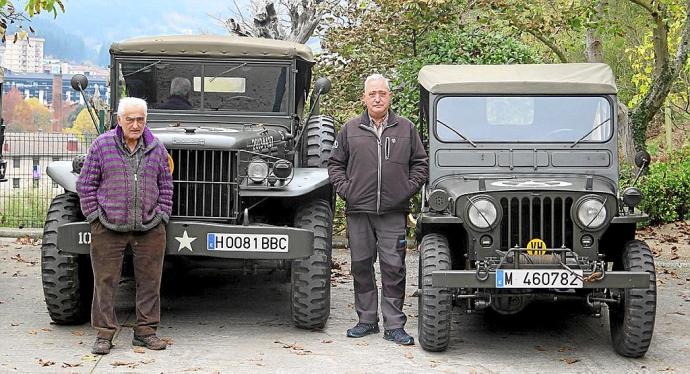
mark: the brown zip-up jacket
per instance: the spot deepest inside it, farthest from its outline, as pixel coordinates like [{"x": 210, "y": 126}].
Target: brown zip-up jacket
[{"x": 378, "y": 175}]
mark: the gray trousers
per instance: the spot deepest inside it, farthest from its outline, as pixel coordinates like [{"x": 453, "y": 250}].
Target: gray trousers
[{"x": 369, "y": 234}]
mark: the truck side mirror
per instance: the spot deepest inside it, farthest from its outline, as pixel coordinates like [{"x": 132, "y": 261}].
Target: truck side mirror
[
  {"x": 322, "y": 85},
  {"x": 79, "y": 82}
]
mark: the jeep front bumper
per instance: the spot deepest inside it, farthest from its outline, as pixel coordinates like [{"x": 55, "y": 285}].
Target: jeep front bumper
[
  {"x": 191, "y": 238},
  {"x": 469, "y": 279}
]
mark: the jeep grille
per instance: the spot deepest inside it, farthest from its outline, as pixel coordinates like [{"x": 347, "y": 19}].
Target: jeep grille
[
  {"x": 537, "y": 217},
  {"x": 203, "y": 184}
]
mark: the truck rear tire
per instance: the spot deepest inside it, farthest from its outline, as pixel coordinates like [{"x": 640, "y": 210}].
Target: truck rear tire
[
  {"x": 435, "y": 304},
  {"x": 632, "y": 320},
  {"x": 319, "y": 136},
  {"x": 311, "y": 276},
  {"x": 67, "y": 278}
]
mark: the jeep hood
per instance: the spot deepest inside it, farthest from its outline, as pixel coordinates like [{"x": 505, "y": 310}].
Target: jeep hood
[{"x": 457, "y": 186}]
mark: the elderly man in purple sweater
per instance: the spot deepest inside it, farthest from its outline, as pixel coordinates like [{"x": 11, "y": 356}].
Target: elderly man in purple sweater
[{"x": 126, "y": 191}]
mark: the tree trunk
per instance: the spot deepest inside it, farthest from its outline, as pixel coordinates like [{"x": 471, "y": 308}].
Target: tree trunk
[{"x": 625, "y": 137}]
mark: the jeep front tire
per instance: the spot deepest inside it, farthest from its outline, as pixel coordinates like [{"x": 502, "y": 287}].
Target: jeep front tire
[
  {"x": 632, "y": 319},
  {"x": 435, "y": 304}
]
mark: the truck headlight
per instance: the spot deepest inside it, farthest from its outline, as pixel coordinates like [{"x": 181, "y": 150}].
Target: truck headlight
[
  {"x": 591, "y": 212},
  {"x": 482, "y": 213},
  {"x": 257, "y": 171}
]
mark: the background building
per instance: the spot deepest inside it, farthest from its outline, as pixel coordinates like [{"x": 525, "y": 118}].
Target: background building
[{"x": 26, "y": 55}]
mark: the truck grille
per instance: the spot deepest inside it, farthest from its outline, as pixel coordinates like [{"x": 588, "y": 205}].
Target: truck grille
[
  {"x": 203, "y": 184},
  {"x": 545, "y": 218}
]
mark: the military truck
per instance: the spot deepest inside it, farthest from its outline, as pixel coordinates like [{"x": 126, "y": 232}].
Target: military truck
[
  {"x": 248, "y": 156},
  {"x": 523, "y": 201}
]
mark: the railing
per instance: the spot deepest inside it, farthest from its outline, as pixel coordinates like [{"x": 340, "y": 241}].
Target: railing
[{"x": 26, "y": 196}]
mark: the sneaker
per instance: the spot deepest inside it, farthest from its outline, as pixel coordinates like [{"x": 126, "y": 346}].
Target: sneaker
[
  {"x": 101, "y": 346},
  {"x": 149, "y": 341},
  {"x": 399, "y": 336},
  {"x": 363, "y": 329}
]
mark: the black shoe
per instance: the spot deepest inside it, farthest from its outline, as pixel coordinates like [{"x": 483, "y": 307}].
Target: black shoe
[
  {"x": 399, "y": 336},
  {"x": 102, "y": 346},
  {"x": 363, "y": 329}
]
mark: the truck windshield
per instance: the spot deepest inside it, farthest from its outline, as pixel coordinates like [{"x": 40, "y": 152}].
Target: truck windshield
[
  {"x": 228, "y": 86},
  {"x": 524, "y": 119}
]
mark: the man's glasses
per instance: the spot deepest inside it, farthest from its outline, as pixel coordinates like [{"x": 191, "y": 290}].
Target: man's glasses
[{"x": 131, "y": 120}]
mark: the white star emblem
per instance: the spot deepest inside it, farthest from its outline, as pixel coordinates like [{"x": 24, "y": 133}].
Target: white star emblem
[{"x": 185, "y": 241}]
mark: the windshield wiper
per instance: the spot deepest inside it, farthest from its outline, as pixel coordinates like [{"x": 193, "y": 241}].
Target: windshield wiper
[
  {"x": 457, "y": 133},
  {"x": 590, "y": 131},
  {"x": 227, "y": 71},
  {"x": 142, "y": 69}
]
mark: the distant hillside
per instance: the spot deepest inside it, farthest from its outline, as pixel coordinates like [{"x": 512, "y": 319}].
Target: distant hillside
[{"x": 61, "y": 44}]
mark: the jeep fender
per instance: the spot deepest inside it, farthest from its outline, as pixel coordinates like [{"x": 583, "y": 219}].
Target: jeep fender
[{"x": 61, "y": 173}]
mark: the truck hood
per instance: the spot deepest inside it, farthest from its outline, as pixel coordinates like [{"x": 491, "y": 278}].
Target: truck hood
[
  {"x": 457, "y": 186},
  {"x": 251, "y": 138}
]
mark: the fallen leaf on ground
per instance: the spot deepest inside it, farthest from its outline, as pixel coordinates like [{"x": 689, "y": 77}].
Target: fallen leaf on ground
[
  {"x": 78, "y": 333},
  {"x": 409, "y": 355},
  {"x": 89, "y": 357},
  {"x": 570, "y": 360},
  {"x": 68, "y": 365},
  {"x": 43, "y": 362},
  {"x": 14, "y": 324},
  {"x": 362, "y": 344},
  {"x": 46, "y": 329},
  {"x": 121, "y": 363},
  {"x": 192, "y": 369},
  {"x": 168, "y": 340},
  {"x": 564, "y": 349},
  {"x": 327, "y": 341},
  {"x": 539, "y": 348},
  {"x": 139, "y": 350},
  {"x": 679, "y": 313},
  {"x": 33, "y": 332}
]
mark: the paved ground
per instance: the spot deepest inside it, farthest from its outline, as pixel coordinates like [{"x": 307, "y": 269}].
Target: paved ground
[{"x": 220, "y": 323}]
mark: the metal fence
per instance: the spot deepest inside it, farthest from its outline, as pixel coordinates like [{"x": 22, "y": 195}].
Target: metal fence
[{"x": 26, "y": 196}]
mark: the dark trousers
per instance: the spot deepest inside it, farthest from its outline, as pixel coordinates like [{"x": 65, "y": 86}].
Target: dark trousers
[
  {"x": 107, "y": 253},
  {"x": 369, "y": 235}
]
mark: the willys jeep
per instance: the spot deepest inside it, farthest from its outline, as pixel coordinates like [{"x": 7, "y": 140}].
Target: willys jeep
[
  {"x": 247, "y": 153},
  {"x": 523, "y": 202}
]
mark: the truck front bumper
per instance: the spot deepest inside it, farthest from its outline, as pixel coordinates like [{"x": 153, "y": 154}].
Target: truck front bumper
[
  {"x": 191, "y": 238},
  {"x": 469, "y": 279}
]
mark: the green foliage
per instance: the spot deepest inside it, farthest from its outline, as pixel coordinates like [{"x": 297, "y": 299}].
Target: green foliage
[
  {"x": 665, "y": 188},
  {"x": 454, "y": 46}
]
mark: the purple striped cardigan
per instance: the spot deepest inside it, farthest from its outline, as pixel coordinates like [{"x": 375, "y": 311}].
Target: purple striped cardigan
[{"x": 122, "y": 198}]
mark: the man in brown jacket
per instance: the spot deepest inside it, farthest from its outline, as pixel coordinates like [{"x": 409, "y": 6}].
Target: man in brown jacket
[{"x": 378, "y": 162}]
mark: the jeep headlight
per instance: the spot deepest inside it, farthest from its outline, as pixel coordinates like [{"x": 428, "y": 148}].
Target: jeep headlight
[
  {"x": 257, "y": 171},
  {"x": 591, "y": 212},
  {"x": 482, "y": 213}
]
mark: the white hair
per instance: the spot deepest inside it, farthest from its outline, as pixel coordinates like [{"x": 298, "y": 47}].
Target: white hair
[
  {"x": 376, "y": 77},
  {"x": 129, "y": 102}
]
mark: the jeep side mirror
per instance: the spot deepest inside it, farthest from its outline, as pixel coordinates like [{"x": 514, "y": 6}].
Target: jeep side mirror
[
  {"x": 79, "y": 82},
  {"x": 642, "y": 159},
  {"x": 322, "y": 85}
]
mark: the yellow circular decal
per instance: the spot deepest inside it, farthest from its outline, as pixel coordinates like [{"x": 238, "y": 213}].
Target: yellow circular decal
[
  {"x": 536, "y": 244},
  {"x": 171, "y": 164}
]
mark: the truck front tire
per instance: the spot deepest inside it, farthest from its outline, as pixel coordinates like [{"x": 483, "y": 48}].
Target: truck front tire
[
  {"x": 67, "y": 278},
  {"x": 311, "y": 276}
]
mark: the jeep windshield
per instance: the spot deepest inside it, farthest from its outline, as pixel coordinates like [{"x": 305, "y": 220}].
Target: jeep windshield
[
  {"x": 528, "y": 119},
  {"x": 246, "y": 87}
]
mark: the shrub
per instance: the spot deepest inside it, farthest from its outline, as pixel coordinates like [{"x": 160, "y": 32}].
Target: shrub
[{"x": 665, "y": 188}]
